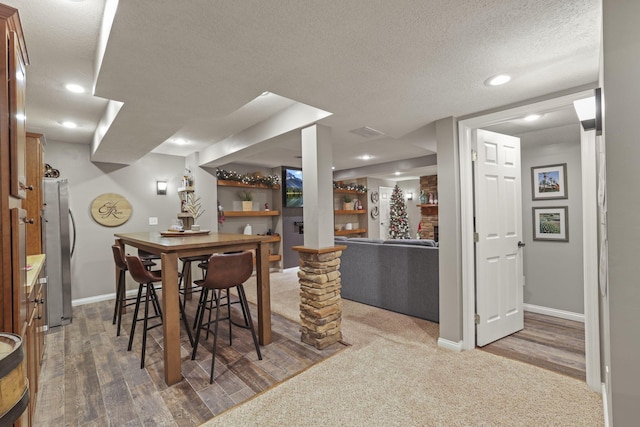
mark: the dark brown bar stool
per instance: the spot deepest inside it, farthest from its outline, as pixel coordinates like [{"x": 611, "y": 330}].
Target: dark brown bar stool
[
  {"x": 186, "y": 279},
  {"x": 224, "y": 272},
  {"x": 146, "y": 279},
  {"x": 121, "y": 299}
]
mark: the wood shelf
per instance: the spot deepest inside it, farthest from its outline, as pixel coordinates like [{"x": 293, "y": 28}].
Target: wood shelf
[
  {"x": 272, "y": 238},
  {"x": 189, "y": 189},
  {"x": 348, "y": 232},
  {"x": 184, "y": 215},
  {"x": 350, "y": 212},
  {"x": 225, "y": 183},
  {"x": 428, "y": 209},
  {"x": 251, "y": 213},
  {"x": 337, "y": 190}
]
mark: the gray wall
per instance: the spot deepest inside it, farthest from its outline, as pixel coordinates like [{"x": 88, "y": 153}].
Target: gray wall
[
  {"x": 621, "y": 87},
  {"x": 373, "y": 225},
  {"x": 553, "y": 270},
  {"x": 449, "y": 228},
  {"x": 92, "y": 265}
]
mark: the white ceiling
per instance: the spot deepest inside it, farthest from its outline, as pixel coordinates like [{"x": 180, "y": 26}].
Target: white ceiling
[{"x": 194, "y": 70}]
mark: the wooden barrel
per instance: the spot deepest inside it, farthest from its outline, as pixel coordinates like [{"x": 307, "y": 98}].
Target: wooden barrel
[{"x": 14, "y": 388}]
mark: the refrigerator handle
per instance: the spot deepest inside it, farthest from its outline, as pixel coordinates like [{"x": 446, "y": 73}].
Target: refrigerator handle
[{"x": 73, "y": 225}]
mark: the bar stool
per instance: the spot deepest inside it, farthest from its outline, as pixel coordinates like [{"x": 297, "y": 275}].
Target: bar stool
[
  {"x": 121, "y": 300},
  {"x": 146, "y": 279},
  {"x": 224, "y": 272},
  {"x": 185, "y": 284}
]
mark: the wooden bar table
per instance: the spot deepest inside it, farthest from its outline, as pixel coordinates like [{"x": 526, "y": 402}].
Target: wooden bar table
[{"x": 171, "y": 248}]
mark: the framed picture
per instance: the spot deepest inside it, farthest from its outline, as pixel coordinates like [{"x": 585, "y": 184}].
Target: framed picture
[
  {"x": 549, "y": 182},
  {"x": 551, "y": 224}
]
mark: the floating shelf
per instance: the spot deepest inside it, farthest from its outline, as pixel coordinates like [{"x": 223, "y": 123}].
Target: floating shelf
[
  {"x": 430, "y": 209},
  {"x": 251, "y": 213},
  {"x": 337, "y": 190},
  {"x": 184, "y": 215},
  {"x": 350, "y": 212},
  {"x": 273, "y": 239},
  {"x": 348, "y": 232},
  {"x": 225, "y": 183},
  {"x": 189, "y": 189}
]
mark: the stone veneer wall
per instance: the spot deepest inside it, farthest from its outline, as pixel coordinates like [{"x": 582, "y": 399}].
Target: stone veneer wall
[
  {"x": 320, "y": 301},
  {"x": 429, "y": 216}
]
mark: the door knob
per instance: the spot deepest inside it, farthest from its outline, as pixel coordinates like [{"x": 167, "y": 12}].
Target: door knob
[{"x": 521, "y": 244}]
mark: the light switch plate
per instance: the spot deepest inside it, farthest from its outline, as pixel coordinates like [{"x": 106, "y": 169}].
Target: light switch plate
[{"x": 153, "y": 220}]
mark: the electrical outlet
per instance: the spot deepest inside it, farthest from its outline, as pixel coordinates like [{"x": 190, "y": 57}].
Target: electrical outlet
[{"x": 153, "y": 220}]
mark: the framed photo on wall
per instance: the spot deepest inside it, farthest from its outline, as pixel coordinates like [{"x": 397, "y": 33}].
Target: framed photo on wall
[
  {"x": 551, "y": 224},
  {"x": 549, "y": 182}
]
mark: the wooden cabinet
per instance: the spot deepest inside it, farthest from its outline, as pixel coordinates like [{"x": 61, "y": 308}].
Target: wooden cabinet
[
  {"x": 34, "y": 201},
  {"x": 18, "y": 311},
  {"x": 260, "y": 220}
]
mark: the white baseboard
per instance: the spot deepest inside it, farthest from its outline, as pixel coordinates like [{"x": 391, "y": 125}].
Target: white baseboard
[
  {"x": 577, "y": 317},
  {"x": 605, "y": 405},
  {"x": 104, "y": 297},
  {"x": 451, "y": 345}
]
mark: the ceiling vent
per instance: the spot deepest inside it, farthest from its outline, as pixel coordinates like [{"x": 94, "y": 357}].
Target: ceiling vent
[{"x": 367, "y": 132}]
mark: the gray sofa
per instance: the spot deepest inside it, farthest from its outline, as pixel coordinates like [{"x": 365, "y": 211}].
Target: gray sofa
[{"x": 397, "y": 275}]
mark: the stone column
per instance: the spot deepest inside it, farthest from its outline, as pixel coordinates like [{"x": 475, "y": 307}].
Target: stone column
[{"x": 320, "y": 301}]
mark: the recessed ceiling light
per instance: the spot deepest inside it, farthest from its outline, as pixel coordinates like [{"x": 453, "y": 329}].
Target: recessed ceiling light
[
  {"x": 265, "y": 93},
  {"x": 69, "y": 125},
  {"x": 72, "y": 87},
  {"x": 180, "y": 141},
  {"x": 532, "y": 117},
  {"x": 366, "y": 157},
  {"x": 498, "y": 80},
  {"x": 333, "y": 168},
  {"x": 396, "y": 173}
]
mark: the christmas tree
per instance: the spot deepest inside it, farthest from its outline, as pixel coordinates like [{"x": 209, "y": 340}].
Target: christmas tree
[{"x": 398, "y": 219}]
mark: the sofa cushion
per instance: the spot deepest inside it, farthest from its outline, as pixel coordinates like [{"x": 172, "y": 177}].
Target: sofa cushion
[{"x": 421, "y": 242}]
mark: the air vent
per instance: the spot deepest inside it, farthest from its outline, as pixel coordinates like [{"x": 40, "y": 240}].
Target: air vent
[{"x": 367, "y": 132}]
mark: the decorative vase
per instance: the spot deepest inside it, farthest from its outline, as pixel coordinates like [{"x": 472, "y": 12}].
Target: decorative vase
[{"x": 247, "y": 205}]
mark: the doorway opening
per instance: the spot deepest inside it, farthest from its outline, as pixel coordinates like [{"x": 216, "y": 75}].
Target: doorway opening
[{"x": 466, "y": 140}]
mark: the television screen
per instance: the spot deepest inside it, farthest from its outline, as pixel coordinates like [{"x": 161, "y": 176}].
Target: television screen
[{"x": 292, "y": 188}]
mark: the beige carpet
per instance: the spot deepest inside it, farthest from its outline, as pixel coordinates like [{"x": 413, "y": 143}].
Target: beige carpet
[{"x": 395, "y": 375}]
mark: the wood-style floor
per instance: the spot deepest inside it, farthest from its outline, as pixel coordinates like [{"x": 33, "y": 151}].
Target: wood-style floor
[
  {"x": 90, "y": 379},
  {"x": 548, "y": 342}
]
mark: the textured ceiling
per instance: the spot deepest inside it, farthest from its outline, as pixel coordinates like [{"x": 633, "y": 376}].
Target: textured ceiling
[{"x": 187, "y": 69}]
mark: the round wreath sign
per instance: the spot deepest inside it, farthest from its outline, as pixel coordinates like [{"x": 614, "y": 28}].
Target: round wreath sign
[{"x": 110, "y": 209}]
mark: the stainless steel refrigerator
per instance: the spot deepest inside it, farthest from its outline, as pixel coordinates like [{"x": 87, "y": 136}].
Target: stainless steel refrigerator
[{"x": 59, "y": 231}]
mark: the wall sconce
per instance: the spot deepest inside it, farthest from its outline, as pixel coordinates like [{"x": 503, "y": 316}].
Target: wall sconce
[
  {"x": 161, "y": 188},
  {"x": 409, "y": 196}
]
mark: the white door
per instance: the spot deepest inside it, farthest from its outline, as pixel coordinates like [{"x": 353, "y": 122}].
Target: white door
[
  {"x": 385, "y": 210},
  {"x": 498, "y": 206}
]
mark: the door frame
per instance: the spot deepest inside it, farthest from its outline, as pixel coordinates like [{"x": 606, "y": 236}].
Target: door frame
[{"x": 590, "y": 249}]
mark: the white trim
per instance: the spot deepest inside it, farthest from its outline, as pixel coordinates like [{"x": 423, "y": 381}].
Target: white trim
[
  {"x": 590, "y": 260},
  {"x": 450, "y": 345},
  {"x": 563, "y": 314},
  {"x": 605, "y": 404},
  {"x": 465, "y": 128},
  {"x": 104, "y": 297}
]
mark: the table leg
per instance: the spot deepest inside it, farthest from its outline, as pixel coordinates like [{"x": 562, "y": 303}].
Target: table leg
[
  {"x": 264, "y": 294},
  {"x": 171, "y": 319}
]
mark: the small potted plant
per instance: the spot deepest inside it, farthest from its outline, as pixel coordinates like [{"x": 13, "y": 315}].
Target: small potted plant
[
  {"x": 247, "y": 200},
  {"x": 194, "y": 208},
  {"x": 347, "y": 206}
]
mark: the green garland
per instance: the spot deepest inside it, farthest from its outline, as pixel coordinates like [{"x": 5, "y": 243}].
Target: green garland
[
  {"x": 270, "y": 180},
  {"x": 350, "y": 186}
]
